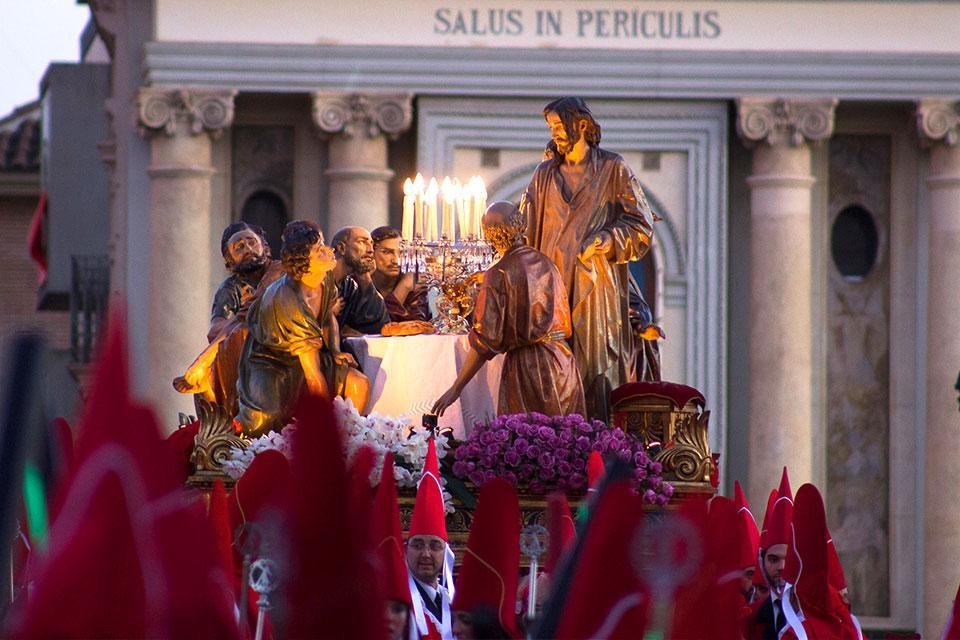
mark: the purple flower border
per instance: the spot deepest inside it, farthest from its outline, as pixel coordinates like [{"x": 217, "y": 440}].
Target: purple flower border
[{"x": 542, "y": 454}]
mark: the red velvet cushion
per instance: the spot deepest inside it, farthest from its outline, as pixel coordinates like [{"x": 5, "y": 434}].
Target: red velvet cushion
[{"x": 678, "y": 394}]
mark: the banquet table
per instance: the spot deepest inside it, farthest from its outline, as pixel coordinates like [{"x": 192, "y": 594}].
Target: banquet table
[{"x": 408, "y": 373}]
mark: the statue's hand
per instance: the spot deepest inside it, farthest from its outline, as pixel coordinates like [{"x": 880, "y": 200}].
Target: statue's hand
[
  {"x": 337, "y": 306},
  {"x": 602, "y": 244},
  {"x": 345, "y": 358},
  {"x": 475, "y": 279},
  {"x": 652, "y": 332},
  {"x": 444, "y": 401}
]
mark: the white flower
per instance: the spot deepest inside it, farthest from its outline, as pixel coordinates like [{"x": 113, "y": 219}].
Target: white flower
[{"x": 381, "y": 433}]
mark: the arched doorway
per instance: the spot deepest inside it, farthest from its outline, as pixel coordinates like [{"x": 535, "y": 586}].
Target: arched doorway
[{"x": 266, "y": 209}]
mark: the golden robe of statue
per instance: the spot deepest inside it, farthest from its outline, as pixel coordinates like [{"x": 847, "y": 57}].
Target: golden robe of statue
[
  {"x": 559, "y": 222},
  {"x": 521, "y": 311}
]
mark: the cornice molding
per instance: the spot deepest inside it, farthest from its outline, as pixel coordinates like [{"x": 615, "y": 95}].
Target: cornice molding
[
  {"x": 367, "y": 114},
  {"x": 781, "y": 121},
  {"x": 514, "y": 72},
  {"x": 160, "y": 109}
]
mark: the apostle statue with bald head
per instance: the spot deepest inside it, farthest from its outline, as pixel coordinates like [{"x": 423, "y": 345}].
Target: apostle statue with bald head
[{"x": 522, "y": 312}]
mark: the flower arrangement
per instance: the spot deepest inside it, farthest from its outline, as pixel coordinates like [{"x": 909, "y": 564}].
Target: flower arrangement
[
  {"x": 381, "y": 433},
  {"x": 545, "y": 454}
]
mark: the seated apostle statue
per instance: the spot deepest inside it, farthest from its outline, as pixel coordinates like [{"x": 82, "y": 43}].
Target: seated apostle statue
[{"x": 293, "y": 341}]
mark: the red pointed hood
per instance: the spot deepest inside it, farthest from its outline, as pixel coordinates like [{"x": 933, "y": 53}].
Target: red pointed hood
[
  {"x": 595, "y": 469},
  {"x": 220, "y": 524},
  {"x": 428, "y": 515},
  {"x": 119, "y": 533},
  {"x": 952, "y": 629},
  {"x": 388, "y": 536},
  {"x": 488, "y": 575},
  {"x": 777, "y": 528},
  {"x": 563, "y": 533},
  {"x": 260, "y": 487},
  {"x": 608, "y": 595},
  {"x": 706, "y": 606},
  {"x": 331, "y": 587},
  {"x": 810, "y": 570},
  {"x": 748, "y": 538}
]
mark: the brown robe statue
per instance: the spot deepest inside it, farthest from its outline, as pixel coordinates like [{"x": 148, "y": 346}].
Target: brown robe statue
[
  {"x": 608, "y": 198},
  {"x": 521, "y": 311},
  {"x": 281, "y": 327}
]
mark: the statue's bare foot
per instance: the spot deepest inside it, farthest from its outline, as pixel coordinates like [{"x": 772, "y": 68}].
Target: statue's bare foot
[{"x": 181, "y": 384}]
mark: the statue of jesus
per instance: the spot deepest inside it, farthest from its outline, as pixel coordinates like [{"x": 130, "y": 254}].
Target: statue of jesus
[{"x": 586, "y": 211}]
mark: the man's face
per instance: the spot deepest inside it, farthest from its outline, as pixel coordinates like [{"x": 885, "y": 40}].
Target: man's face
[
  {"x": 773, "y": 561},
  {"x": 386, "y": 255},
  {"x": 425, "y": 557},
  {"x": 245, "y": 251},
  {"x": 462, "y": 625},
  {"x": 322, "y": 259},
  {"x": 746, "y": 581},
  {"x": 396, "y": 615},
  {"x": 357, "y": 251},
  {"x": 563, "y": 139}
]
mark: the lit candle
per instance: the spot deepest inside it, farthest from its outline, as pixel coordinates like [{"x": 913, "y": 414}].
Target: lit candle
[
  {"x": 446, "y": 208},
  {"x": 419, "y": 226},
  {"x": 431, "y": 211},
  {"x": 406, "y": 228},
  {"x": 482, "y": 208},
  {"x": 478, "y": 208},
  {"x": 460, "y": 203}
]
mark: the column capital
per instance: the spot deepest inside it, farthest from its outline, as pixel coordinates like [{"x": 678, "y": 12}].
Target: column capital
[
  {"x": 938, "y": 120},
  {"x": 364, "y": 114},
  {"x": 160, "y": 109},
  {"x": 783, "y": 121}
]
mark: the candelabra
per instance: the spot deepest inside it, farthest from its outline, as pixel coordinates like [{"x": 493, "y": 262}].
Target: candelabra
[
  {"x": 450, "y": 268},
  {"x": 443, "y": 243}
]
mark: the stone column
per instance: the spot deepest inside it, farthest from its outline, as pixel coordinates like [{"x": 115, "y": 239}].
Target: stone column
[
  {"x": 358, "y": 126},
  {"x": 781, "y": 296},
  {"x": 179, "y": 124},
  {"x": 939, "y": 127}
]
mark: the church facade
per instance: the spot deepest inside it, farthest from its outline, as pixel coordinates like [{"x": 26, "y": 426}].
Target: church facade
[{"x": 803, "y": 157}]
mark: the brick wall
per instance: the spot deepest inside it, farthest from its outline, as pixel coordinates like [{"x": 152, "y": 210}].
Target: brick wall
[{"x": 18, "y": 297}]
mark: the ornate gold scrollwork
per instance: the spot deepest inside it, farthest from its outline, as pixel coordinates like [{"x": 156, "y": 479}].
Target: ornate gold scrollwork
[{"x": 214, "y": 440}]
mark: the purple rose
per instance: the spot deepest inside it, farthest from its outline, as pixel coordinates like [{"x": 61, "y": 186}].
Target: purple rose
[
  {"x": 511, "y": 457},
  {"x": 486, "y": 437},
  {"x": 656, "y": 467},
  {"x": 533, "y": 452},
  {"x": 546, "y": 460},
  {"x": 649, "y": 496},
  {"x": 460, "y": 469},
  {"x": 521, "y": 445},
  {"x": 510, "y": 477}
]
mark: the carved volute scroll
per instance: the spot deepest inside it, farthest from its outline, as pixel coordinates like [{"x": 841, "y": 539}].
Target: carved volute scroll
[
  {"x": 160, "y": 109},
  {"x": 779, "y": 121},
  {"x": 370, "y": 115},
  {"x": 938, "y": 120}
]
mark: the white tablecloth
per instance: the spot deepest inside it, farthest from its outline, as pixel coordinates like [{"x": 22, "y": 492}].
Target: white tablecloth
[{"x": 407, "y": 374}]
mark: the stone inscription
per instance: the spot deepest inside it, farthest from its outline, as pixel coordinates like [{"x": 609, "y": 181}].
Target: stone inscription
[{"x": 601, "y": 24}]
